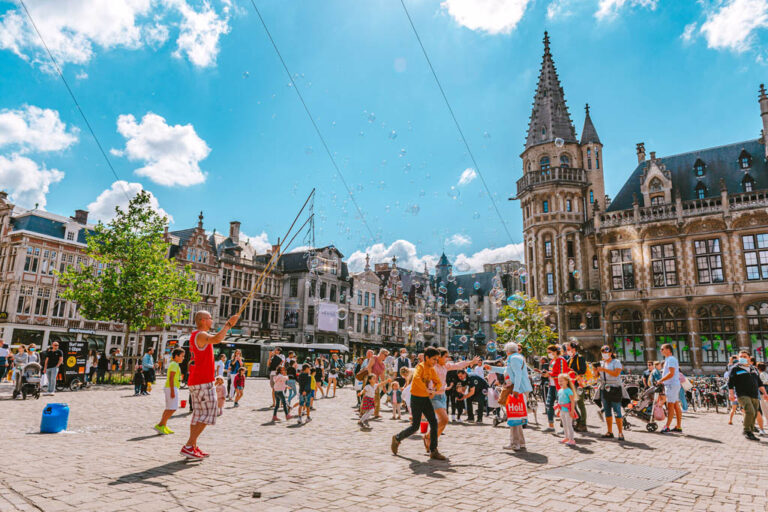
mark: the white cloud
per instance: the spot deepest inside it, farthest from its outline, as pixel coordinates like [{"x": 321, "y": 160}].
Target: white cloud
[
  {"x": 688, "y": 33},
  {"x": 732, "y": 25},
  {"x": 26, "y": 181},
  {"x": 172, "y": 153},
  {"x": 475, "y": 262},
  {"x": 259, "y": 243},
  {"x": 458, "y": 240},
  {"x": 405, "y": 251},
  {"x": 490, "y": 16},
  {"x": 608, "y": 9},
  {"x": 467, "y": 177},
  {"x": 103, "y": 208},
  {"x": 81, "y": 75},
  {"x": 75, "y": 29},
  {"x": 407, "y": 257},
  {"x": 200, "y": 33},
  {"x": 559, "y": 9},
  {"x": 31, "y": 129}
]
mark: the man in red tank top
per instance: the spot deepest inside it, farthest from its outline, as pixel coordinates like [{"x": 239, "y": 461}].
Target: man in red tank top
[{"x": 202, "y": 373}]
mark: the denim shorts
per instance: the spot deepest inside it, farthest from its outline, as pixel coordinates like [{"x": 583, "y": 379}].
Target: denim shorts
[
  {"x": 304, "y": 400},
  {"x": 439, "y": 402},
  {"x": 610, "y": 408}
]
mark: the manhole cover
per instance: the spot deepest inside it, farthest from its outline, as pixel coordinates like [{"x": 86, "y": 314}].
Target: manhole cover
[{"x": 617, "y": 474}]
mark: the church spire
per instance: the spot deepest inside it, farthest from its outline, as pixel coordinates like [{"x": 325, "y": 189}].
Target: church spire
[
  {"x": 550, "y": 119},
  {"x": 589, "y": 134}
]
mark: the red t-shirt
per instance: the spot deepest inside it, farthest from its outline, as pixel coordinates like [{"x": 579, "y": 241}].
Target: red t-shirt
[
  {"x": 239, "y": 381},
  {"x": 202, "y": 369}
]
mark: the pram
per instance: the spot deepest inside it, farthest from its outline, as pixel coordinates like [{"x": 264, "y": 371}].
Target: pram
[
  {"x": 643, "y": 408},
  {"x": 629, "y": 393},
  {"x": 27, "y": 381}
]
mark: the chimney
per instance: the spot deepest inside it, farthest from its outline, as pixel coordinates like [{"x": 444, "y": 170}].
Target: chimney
[
  {"x": 234, "y": 231},
  {"x": 653, "y": 155},
  {"x": 276, "y": 248},
  {"x": 763, "y": 98},
  {"x": 81, "y": 216},
  {"x": 640, "y": 152},
  {"x": 3, "y": 195}
]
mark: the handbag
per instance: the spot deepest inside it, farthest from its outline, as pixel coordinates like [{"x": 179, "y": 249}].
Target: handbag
[
  {"x": 685, "y": 383},
  {"x": 361, "y": 375},
  {"x": 612, "y": 393}
]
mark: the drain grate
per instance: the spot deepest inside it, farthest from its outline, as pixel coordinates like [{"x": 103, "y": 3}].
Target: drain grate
[{"x": 617, "y": 474}]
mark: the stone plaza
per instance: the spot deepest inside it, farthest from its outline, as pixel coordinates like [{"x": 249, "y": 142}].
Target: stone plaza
[{"x": 110, "y": 459}]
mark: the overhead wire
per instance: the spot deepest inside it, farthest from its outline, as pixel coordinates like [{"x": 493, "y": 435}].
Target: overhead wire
[
  {"x": 456, "y": 122},
  {"x": 314, "y": 123},
  {"x": 74, "y": 98}
]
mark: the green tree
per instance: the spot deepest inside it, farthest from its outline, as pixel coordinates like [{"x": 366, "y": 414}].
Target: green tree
[
  {"x": 523, "y": 321},
  {"x": 130, "y": 278}
]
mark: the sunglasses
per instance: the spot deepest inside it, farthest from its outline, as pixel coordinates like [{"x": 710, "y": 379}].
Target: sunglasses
[{"x": 605, "y": 351}]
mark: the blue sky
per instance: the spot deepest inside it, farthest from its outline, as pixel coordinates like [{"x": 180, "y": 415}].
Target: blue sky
[{"x": 191, "y": 103}]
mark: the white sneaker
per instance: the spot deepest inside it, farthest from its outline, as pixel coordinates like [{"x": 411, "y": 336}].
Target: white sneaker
[{"x": 453, "y": 417}]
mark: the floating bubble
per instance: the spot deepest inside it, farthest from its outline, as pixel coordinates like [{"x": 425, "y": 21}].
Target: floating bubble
[
  {"x": 453, "y": 192},
  {"x": 419, "y": 318},
  {"x": 402, "y": 152},
  {"x": 440, "y": 301},
  {"x": 476, "y": 216},
  {"x": 371, "y": 117},
  {"x": 362, "y": 133},
  {"x": 419, "y": 337},
  {"x": 559, "y": 142},
  {"x": 511, "y": 300},
  {"x": 417, "y": 284},
  {"x": 477, "y": 285},
  {"x": 523, "y": 278},
  {"x": 342, "y": 314},
  {"x": 442, "y": 289},
  {"x": 589, "y": 314},
  {"x": 314, "y": 263},
  {"x": 463, "y": 338},
  {"x": 392, "y": 135},
  {"x": 413, "y": 209},
  {"x": 246, "y": 74},
  {"x": 486, "y": 135},
  {"x": 577, "y": 297},
  {"x": 451, "y": 278},
  {"x": 394, "y": 272},
  {"x": 382, "y": 185},
  {"x": 582, "y": 326},
  {"x": 576, "y": 274},
  {"x": 460, "y": 290},
  {"x": 308, "y": 150}
]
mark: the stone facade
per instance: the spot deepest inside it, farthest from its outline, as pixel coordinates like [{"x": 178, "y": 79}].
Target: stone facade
[{"x": 680, "y": 256}]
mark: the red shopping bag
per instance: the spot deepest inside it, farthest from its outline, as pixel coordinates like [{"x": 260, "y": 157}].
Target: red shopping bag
[{"x": 517, "y": 413}]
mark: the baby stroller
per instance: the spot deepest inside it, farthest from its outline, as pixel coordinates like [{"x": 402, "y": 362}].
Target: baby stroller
[
  {"x": 644, "y": 408},
  {"x": 626, "y": 402},
  {"x": 27, "y": 381}
]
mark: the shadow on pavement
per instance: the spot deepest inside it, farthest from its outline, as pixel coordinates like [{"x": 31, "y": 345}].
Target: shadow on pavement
[
  {"x": 533, "y": 458},
  {"x": 431, "y": 468},
  {"x": 143, "y": 438},
  {"x": 144, "y": 477}
]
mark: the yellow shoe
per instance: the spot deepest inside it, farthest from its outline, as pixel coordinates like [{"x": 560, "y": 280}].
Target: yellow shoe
[
  {"x": 160, "y": 429},
  {"x": 166, "y": 430}
]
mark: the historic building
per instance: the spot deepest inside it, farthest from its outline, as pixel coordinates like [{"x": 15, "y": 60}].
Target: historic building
[
  {"x": 679, "y": 256},
  {"x": 366, "y": 307}
]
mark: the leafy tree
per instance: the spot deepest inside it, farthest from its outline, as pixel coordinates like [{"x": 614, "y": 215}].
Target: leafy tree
[
  {"x": 523, "y": 321},
  {"x": 130, "y": 280}
]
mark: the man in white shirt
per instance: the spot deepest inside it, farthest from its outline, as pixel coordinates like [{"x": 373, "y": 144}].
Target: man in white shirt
[{"x": 670, "y": 377}]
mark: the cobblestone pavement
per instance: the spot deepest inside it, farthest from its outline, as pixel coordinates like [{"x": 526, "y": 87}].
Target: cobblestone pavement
[{"x": 111, "y": 459}]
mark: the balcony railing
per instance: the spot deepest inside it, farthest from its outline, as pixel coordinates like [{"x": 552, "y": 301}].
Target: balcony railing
[
  {"x": 580, "y": 296},
  {"x": 748, "y": 200},
  {"x": 559, "y": 175}
]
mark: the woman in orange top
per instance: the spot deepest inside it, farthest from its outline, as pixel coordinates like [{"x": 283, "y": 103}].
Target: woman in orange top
[{"x": 421, "y": 402}]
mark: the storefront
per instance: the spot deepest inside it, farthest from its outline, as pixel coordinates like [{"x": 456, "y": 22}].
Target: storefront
[{"x": 27, "y": 337}]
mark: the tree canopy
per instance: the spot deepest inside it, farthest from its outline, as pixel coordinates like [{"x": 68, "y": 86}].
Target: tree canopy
[{"x": 524, "y": 322}]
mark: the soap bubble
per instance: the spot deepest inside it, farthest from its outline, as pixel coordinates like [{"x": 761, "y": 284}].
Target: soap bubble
[
  {"x": 576, "y": 274},
  {"x": 419, "y": 318},
  {"x": 582, "y": 326},
  {"x": 462, "y": 266},
  {"x": 402, "y": 152},
  {"x": 413, "y": 209},
  {"x": 342, "y": 314},
  {"x": 246, "y": 74},
  {"x": 417, "y": 284},
  {"x": 577, "y": 297},
  {"x": 476, "y": 216},
  {"x": 394, "y": 272},
  {"x": 477, "y": 285},
  {"x": 559, "y": 142},
  {"x": 463, "y": 338},
  {"x": 308, "y": 150},
  {"x": 523, "y": 278},
  {"x": 442, "y": 289},
  {"x": 392, "y": 135},
  {"x": 460, "y": 290},
  {"x": 486, "y": 135},
  {"x": 589, "y": 314},
  {"x": 453, "y": 192},
  {"x": 451, "y": 278},
  {"x": 371, "y": 117}
]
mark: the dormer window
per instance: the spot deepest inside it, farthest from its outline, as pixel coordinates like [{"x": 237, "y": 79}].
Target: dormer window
[
  {"x": 699, "y": 168},
  {"x": 656, "y": 200},
  {"x": 745, "y": 159},
  {"x": 565, "y": 161},
  {"x": 748, "y": 183},
  {"x": 656, "y": 185},
  {"x": 544, "y": 163},
  {"x": 701, "y": 191}
]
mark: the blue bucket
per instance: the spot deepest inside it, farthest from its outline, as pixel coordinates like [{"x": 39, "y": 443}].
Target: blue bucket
[{"x": 55, "y": 418}]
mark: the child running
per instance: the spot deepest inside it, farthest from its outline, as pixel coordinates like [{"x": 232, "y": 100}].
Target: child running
[
  {"x": 368, "y": 405},
  {"x": 566, "y": 400},
  {"x": 421, "y": 402},
  {"x": 172, "y": 383},
  {"x": 278, "y": 386},
  {"x": 239, "y": 384}
]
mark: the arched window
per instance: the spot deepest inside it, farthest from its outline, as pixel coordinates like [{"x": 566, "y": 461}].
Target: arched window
[
  {"x": 748, "y": 183},
  {"x": 717, "y": 328},
  {"x": 627, "y": 329},
  {"x": 565, "y": 161},
  {"x": 699, "y": 168},
  {"x": 757, "y": 322},
  {"x": 745, "y": 159},
  {"x": 656, "y": 185},
  {"x": 574, "y": 321},
  {"x": 544, "y": 163},
  {"x": 656, "y": 200},
  {"x": 701, "y": 191},
  {"x": 671, "y": 326}
]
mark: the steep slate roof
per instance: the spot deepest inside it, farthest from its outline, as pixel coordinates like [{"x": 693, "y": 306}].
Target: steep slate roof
[
  {"x": 721, "y": 162},
  {"x": 550, "y": 119},
  {"x": 589, "y": 134},
  {"x": 45, "y": 226},
  {"x": 183, "y": 235}
]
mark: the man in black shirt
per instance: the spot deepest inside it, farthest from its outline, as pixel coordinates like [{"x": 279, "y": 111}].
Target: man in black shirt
[
  {"x": 305, "y": 391},
  {"x": 578, "y": 365},
  {"x": 744, "y": 383},
  {"x": 476, "y": 389},
  {"x": 53, "y": 359}
]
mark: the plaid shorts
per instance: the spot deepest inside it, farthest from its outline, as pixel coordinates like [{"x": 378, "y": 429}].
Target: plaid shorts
[{"x": 203, "y": 400}]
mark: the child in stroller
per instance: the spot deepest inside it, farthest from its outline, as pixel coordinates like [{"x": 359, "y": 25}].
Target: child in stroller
[
  {"x": 27, "y": 381},
  {"x": 647, "y": 408}
]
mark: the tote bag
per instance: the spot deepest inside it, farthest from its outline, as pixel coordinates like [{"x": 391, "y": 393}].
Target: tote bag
[{"x": 517, "y": 412}]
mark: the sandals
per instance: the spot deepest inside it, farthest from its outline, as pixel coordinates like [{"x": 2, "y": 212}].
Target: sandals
[
  {"x": 609, "y": 435},
  {"x": 621, "y": 438}
]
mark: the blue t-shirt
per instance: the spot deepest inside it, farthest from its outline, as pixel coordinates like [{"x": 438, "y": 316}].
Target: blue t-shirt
[
  {"x": 671, "y": 362},
  {"x": 147, "y": 362},
  {"x": 564, "y": 396}
]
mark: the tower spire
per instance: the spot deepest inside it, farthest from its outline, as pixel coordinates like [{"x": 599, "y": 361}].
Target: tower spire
[
  {"x": 550, "y": 119},
  {"x": 589, "y": 134}
]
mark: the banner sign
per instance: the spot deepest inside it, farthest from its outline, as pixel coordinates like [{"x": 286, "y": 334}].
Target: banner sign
[
  {"x": 328, "y": 317},
  {"x": 291, "y": 314}
]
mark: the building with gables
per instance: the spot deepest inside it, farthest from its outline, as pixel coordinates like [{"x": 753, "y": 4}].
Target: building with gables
[{"x": 679, "y": 256}]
